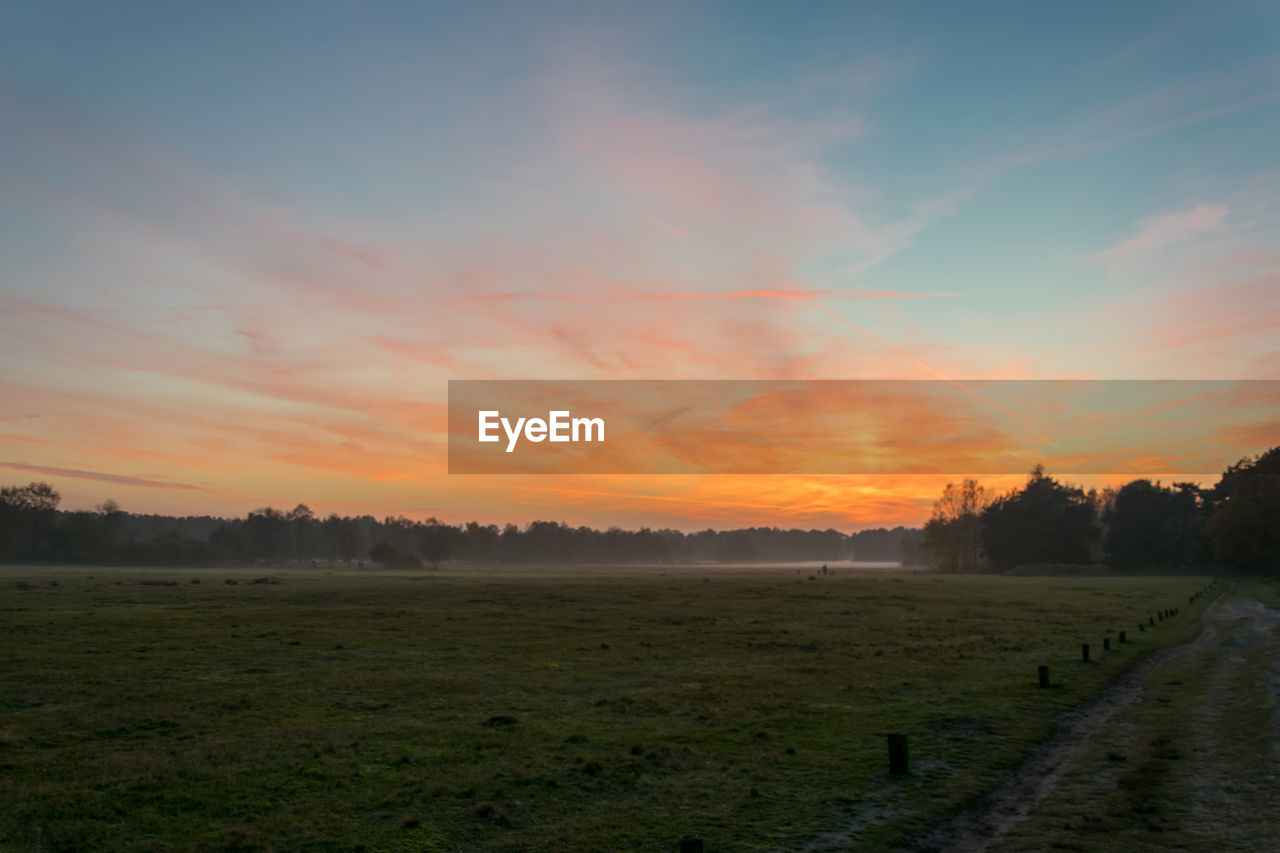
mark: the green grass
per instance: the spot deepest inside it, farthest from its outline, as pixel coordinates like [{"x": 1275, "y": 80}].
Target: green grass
[{"x": 525, "y": 710}]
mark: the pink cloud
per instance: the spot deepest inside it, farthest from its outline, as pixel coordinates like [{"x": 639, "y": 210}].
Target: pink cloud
[
  {"x": 668, "y": 226},
  {"x": 1162, "y": 232},
  {"x": 1234, "y": 311}
]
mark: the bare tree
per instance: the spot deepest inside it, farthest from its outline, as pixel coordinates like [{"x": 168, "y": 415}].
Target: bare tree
[{"x": 954, "y": 532}]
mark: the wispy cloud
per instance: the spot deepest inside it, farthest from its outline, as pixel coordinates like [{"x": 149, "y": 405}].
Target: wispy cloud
[
  {"x": 120, "y": 479},
  {"x": 1162, "y": 232},
  {"x": 668, "y": 226},
  {"x": 1233, "y": 312},
  {"x": 789, "y": 294}
]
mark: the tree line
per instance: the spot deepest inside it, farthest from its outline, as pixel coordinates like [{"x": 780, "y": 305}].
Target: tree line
[
  {"x": 33, "y": 529},
  {"x": 1140, "y": 526}
]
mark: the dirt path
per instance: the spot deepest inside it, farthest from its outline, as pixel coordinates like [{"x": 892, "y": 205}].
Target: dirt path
[
  {"x": 975, "y": 831},
  {"x": 1182, "y": 753}
]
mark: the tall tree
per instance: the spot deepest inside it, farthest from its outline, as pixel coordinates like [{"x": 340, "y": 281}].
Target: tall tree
[
  {"x": 1245, "y": 525},
  {"x": 437, "y": 542},
  {"x": 27, "y": 518},
  {"x": 954, "y": 533},
  {"x": 1148, "y": 524},
  {"x": 300, "y": 521},
  {"x": 1044, "y": 522},
  {"x": 267, "y": 533}
]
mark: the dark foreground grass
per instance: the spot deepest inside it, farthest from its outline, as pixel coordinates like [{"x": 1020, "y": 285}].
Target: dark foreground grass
[{"x": 530, "y": 710}]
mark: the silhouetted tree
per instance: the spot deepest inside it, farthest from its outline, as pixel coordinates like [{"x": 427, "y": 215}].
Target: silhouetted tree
[
  {"x": 80, "y": 537},
  {"x": 300, "y": 522},
  {"x": 1045, "y": 522},
  {"x": 436, "y": 543},
  {"x": 880, "y": 545},
  {"x": 737, "y": 547},
  {"x": 349, "y": 539},
  {"x": 1136, "y": 525},
  {"x": 266, "y": 531},
  {"x": 31, "y": 528},
  {"x": 1245, "y": 525},
  {"x": 231, "y": 541},
  {"x": 954, "y": 533},
  {"x": 112, "y": 517},
  {"x": 27, "y": 517},
  {"x": 910, "y": 546},
  {"x": 1188, "y": 512},
  {"x": 480, "y": 542},
  {"x": 1153, "y": 525}
]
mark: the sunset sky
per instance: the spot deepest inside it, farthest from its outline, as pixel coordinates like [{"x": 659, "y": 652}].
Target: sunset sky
[{"x": 243, "y": 247}]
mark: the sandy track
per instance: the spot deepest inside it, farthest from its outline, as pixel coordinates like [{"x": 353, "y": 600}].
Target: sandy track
[{"x": 976, "y": 829}]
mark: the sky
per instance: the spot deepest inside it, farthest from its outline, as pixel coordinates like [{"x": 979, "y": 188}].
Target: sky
[{"x": 244, "y": 246}]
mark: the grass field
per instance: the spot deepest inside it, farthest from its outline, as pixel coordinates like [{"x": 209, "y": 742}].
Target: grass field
[{"x": 524, "y": 710}]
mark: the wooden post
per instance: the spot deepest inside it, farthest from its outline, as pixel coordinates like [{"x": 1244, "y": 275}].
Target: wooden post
[
  {"x": 897, "y": 753},
  {"x": 1122, "y": 637},
  {"x": 691, "y": 842},
  {"x": 1044, "y": 675},
  {"x": 1084, "y": 652},
  {"x": 1106, "y": 644}
]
